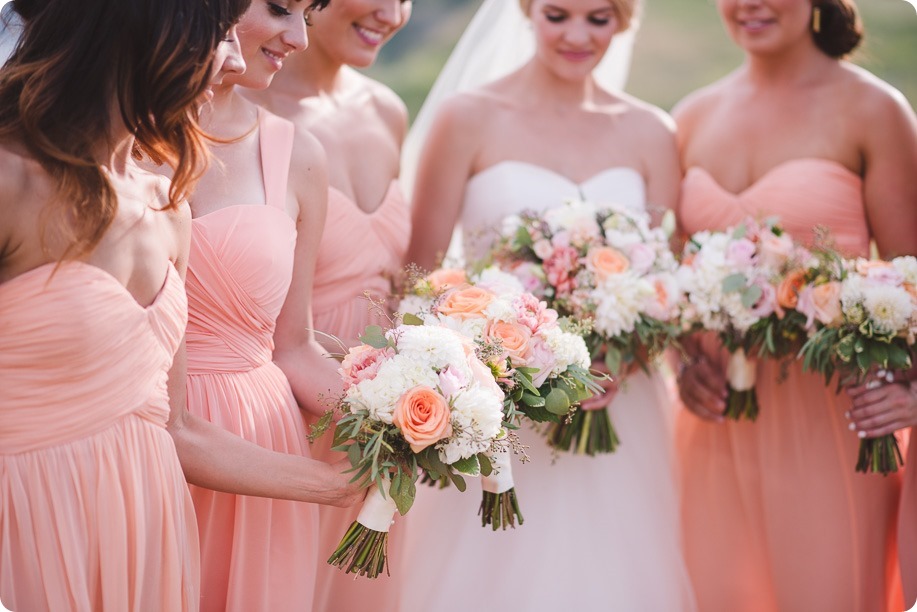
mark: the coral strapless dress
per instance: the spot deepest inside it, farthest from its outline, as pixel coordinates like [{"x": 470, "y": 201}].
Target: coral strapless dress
[
  {"x": 256, "y": 553},
  {"x": 600, "y": 533},
  {"x": 775, "y": 517},
  {"x": 343, "y": 273},
  {"x": 94, "y": 509}
]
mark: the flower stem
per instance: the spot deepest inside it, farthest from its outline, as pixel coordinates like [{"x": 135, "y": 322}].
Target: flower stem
[
  {"x": 362, "y": 551},
  {"x": 500, "y": 510},
  {"x": 741, "y": 404},
  {"x": 879, "y": 455},
  {"x": 590, "y": 430}
]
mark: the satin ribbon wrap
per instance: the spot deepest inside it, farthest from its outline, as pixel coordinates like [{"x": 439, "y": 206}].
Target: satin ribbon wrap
[
  {"x": 501, "y": 479},
  {"x": 741, "y": 371},
  {"x": 378, "y": 512}
]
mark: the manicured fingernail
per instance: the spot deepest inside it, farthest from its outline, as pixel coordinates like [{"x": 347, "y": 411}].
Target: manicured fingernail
[
  {"x": 852, "y": 426},
  {"x": 880, "y": 373},
  {"x": 861, "y": 434},
  {"x": 847, "y": 414},
  {"x": 890, "y": 376}
]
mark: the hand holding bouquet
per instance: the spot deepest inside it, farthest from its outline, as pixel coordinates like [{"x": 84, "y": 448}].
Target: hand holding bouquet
[
  {"x": 416, "y": 399},
  {"x": 864, "y": 317}
]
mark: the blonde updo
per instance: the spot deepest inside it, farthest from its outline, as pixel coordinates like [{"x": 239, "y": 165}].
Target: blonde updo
[{"x": 624, "y": 11}]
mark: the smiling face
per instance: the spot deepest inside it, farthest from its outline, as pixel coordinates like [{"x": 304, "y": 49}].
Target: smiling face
[
  {"x": 767, "y": 26},
  {"x": 353, "y": 32},
  {"x": 269, "y": 31},
  {"x": 572, "y": 36}
]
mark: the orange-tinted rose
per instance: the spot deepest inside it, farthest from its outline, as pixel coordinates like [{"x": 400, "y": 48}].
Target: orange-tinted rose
[
  {"x": 467, "y": 303},
  {"x": 605, "y": 261},
  {"x": 447, "y": 278},
  {"x": 911, "y": 289},
  {"x": 827, "y": 301},
  {"x": 790, "y": 286},
  {"x": 513, "y": 338},
  {"x": 423, "y": 417}
]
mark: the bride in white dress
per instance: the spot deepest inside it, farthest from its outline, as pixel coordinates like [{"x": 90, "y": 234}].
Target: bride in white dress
[{"x": 600, "y": 532}]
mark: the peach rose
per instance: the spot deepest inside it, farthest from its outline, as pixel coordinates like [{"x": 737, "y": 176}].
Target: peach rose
[
  {"x": 467, "y": 303},
  {"x": 790, "y": 286},
  {"x": 605, "y": 261},
  {"x": 423, "y": 416},
  {"x": 775, "y": 250},
  {"x": 447, "y": 278},
  {"x": 822, "y": 302},
  {"x": 514, "y": 339}
]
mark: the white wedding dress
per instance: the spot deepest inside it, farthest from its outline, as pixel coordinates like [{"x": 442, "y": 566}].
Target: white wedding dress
[{"x": 600, "y": 533}]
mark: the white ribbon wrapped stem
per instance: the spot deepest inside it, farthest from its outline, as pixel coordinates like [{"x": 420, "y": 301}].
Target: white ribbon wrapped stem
[
  {"x": 741, "y": 370},
  {"x": 378, "y": 512},
  {"x": 501, "y": 479}
]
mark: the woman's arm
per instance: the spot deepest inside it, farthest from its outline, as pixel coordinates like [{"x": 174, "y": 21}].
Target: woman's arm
[{"x": 444, "y": 169}]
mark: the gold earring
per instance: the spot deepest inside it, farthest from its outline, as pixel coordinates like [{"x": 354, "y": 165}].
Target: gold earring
[{"x": 816, "y": 19}]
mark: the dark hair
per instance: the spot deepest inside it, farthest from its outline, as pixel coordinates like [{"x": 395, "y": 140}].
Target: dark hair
[
  {"x": 317, "y": 5},
  {"x": 840, "y": 28},
  {"x": 152, "y": 58}
]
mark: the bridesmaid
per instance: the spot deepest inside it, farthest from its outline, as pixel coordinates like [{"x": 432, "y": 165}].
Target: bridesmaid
[
  {"x": 361, "y": 124},
  {"x": 94, "y": 510},
  {"x": 775, "y": 516},
  {"x": 251, "y": 357}
]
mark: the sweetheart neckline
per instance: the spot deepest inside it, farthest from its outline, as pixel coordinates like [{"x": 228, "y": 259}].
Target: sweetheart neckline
[
  {"x": 379, "y": 206},
  {"x": 105, "y": 274},
  {"x": 562, "y": 177},
  {"x": 773, "y": 170}
]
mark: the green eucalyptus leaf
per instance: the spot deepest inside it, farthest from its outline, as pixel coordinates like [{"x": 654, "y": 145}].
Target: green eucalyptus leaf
[
  {"x": 410, "y": 319},
  {"x": 374, "y": 336}
]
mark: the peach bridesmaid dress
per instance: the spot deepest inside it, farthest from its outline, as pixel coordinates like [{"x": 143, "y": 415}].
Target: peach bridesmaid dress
[
  {"x": 359, "y": 252},
  {"x": 907, "y": 525},
  {"x": 94, "y": 509},
  {"x": 775, "y": 516},
  {"x": 256, "y": 553}
]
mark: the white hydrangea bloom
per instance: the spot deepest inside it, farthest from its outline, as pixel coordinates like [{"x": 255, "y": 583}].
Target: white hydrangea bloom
[{"x": 890, "y": 308}]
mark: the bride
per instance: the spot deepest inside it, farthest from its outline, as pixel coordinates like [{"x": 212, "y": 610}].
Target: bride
[{"x": 602, "y": 531}]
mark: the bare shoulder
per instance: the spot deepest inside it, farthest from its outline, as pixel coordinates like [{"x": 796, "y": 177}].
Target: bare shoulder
[
  {"x": 465, "y": 113},
  {"x": 867, "y": 96},
  {"x": 700, "y": 103},
  {"x": 308, "y": 153},
  {"x": 647, "y": 117}
]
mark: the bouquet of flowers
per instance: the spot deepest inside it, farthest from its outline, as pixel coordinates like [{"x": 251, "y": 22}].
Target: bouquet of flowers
[
  {"x": 416, "y": 399},
  {"x": 742, "y": 283},
  {"x": 542, "y": 369},
  {"x": 864, "y": 317},
  {"x": 608, "y": 269}
]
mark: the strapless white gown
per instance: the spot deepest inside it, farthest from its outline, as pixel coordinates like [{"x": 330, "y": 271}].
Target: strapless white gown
[{"x": 600, "y": 533}]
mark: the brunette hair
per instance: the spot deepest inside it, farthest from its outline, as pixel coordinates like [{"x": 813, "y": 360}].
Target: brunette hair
[
  {"x": 840, "y": 28},
  {"x": 625, "y": 11},
  {"x": 81, "y": 65}
]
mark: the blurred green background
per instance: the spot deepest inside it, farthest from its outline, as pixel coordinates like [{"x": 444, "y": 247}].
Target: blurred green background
[{"x": 681, "y": 46}]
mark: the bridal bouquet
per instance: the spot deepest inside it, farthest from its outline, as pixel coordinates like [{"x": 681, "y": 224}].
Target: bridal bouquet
[
  {"x": 416, "y": 399},
  {"x": 542, "y": 369},
  {"x": 864, "y": 317},
  {"x": 743, "y": 283},
  {"x": 608, "y": 269}
]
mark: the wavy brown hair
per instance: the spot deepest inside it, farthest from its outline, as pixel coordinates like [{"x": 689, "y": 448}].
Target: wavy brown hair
[{"x": 79, "y": 66}]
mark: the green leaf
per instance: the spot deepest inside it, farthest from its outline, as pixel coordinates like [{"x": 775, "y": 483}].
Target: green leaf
[
  {"x": 751, "y": 295},
  {"x": 487, "y": 467},
  {"x": 355, "y": 454},
  {"x": 734, "y": 282},
  {"x": 403, "y": 493},
  {"x": 374, "y": 336},
  {"x": 411, "y": 319},
  {"x": 613, "y": 360},
  {"x": 557, "y": 402},
  {"x": 470, "y": 466},
  {"x": 458, "y": 481},
  {"x": 535, "y": 401},
  {"x": 523, "y": 238},
  {"x": 739, "y": 231}
]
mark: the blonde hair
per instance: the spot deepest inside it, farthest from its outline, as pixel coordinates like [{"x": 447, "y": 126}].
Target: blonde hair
[{"x": 625, "y": 11}]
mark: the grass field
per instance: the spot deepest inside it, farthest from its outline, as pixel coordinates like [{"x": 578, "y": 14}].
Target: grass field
[{"x": 681, "y": 46}]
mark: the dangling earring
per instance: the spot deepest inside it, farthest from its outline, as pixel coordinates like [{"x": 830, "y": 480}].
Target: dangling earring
[{"x": 816, "y": 19}]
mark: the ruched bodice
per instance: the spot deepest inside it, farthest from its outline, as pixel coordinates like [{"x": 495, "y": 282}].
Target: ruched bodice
[
  {"x": 94, "y": 509},
  {"x": 620, "y": 540},
  {"x": 360, "y": 251},
  {"x": 777, "y": 501},
  {"x": 804, "y": 193},
  {"x": 510, "y": 187},
  {"x": 51, "y": 339},
  {"x": 238, "y": 276}
]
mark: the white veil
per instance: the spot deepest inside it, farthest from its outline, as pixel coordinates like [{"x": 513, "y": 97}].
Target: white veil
[
  {"x": 497, "y": 41},
  {"x": 10, "y": 30}
]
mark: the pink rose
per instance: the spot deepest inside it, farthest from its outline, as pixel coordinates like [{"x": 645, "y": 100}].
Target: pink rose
[
  {"x": 530, "y": 275},
  {"x": 821, "y": 302},
  {"x": 451, "y": 381},
  {"x": 423, "y": 416},
  {"x": 543, "y": 249},
  {"x": 740, "y": 252},
  {"x": 533, "y": 313},
  {"x": 480, "y": 372},
  {"x": 642, "y": 256},
  {"x": 514, "y": 339},
  {"x": 767, "y": 303},
  {"x": 775, "y": 250},
  {"x": 447, "y": 278},
  {"x": 362, "y": 363},
  {"x": 561, "y": 268},
  {"x": 667, "y": 294},
  {"x": 540, "y": 356},
  {"x": 605, "y": 262}
]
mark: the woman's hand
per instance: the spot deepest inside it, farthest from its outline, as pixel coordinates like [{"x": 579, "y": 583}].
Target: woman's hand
[
  {"x": 702, "y": 388},
  {"x": 347, "y": 493},
  {"x": 882, "y": 405}
]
